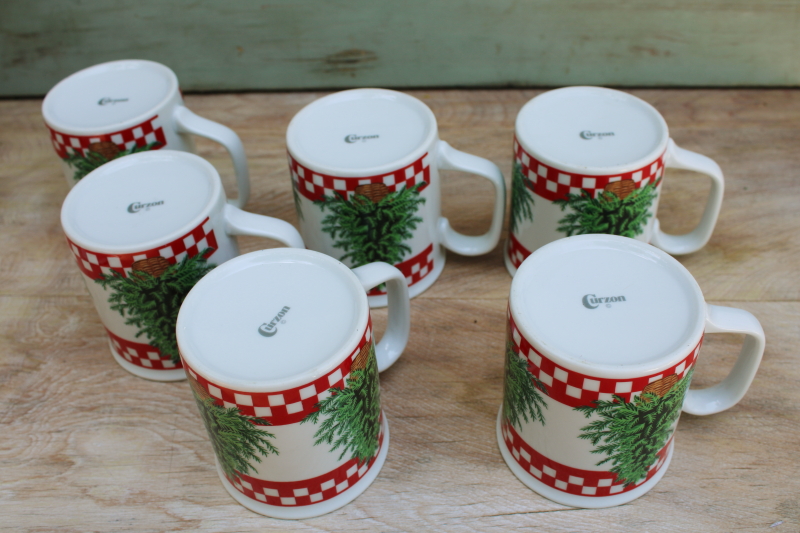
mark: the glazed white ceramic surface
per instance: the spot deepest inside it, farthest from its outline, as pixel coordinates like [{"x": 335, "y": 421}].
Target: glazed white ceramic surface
[
  {"x": 144, "y": 202},
  {"x": 611, "y": 291},
  {"x": 376, "y": 133},
  {"x": 602, "y": 131},
  {"x": 120, "y": 96},
  {"x": 274, "y": 320},
  {"x": 584, "y": 135},
  {"x": 612, "y": 310}
]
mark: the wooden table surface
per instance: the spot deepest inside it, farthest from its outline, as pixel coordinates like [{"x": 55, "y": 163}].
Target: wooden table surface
[{"x": 85, "y": 446}]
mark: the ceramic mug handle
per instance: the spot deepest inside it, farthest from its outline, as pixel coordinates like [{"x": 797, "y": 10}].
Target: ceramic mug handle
[
  {"x": 188, "y": 122},
  {"x": 238, "y": 222},
  {"x": 394, "y": 340},
  {"x": 728, "y": 393},
  {"x": 452, "y": 159},
  {"x": 697, "y": 238}
]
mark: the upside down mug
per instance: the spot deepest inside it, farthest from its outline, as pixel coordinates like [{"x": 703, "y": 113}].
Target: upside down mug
[
  {"x": 143, "y": 230},
  {"x": 603, "y": 336},
  {"x": 365, "y": 168},
  {"x": 591, "y": 160},
  {"x": 283, "y": 364},
  {"x": 114, "y": 109}
]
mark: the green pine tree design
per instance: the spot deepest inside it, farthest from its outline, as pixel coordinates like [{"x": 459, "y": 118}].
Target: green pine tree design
[
  {"x": 297, "y": 204},
  {"x": 236, "y": 439},
  {"x": 352, "y": 415},
  {"x": 95, "y": 159},
  {"x": 630, "y": 434},
  {"x": 522, "y": 391},
  {"x": 521, "y": 198},
  {"x": 608, "y": 213},
  {"x": 151, "y": 298},
  {"x": 372, "y": 228}
]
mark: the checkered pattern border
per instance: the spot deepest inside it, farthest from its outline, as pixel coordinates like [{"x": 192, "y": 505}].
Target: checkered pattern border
[
  {"x": 413, "y": 269},
  {"x": 554, "y": 184},
  {"x": 590, "y": 483},
  {"x": 142, "y": 355},
  {"x": 289, "y": 406},
  {"x": 95, "y": 264},
  {"x": 307, "y": 491},
  {"x": 142, "y": 134},
  {"x": 575, "y": 389},
  {"x": 315, "y": 185},
  {"x": 517, "y": 253}
]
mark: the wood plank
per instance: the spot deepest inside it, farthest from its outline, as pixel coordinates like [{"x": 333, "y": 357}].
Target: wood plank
[
  {"x": 91, "y": 447},
  {"x": 291, "y": 44},
  {"x": 752, "y": 134},
  {"x": 87, "y": 447}
]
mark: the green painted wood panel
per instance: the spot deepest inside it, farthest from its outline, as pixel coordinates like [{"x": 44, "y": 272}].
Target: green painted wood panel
[{"x": 299, "y": 44}]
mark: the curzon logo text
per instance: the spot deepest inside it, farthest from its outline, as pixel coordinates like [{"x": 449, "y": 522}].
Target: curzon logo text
[
  {"x": 111, "y": 101},
  {"x": 350, "y": 139},
  {"x": 589, "y": 135},
  {"x": 135, "y": 207},
  {"x": 269, "y": 329},
  {"x": 590, "y": 301}
]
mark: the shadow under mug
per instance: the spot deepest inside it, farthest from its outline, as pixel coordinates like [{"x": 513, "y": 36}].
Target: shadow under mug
[
  {"x": 365, "y": 168},
  {"x": 110, "y": 110},
  {"x": 591, "y": 160},
  {"x": 143, "y": 230}
]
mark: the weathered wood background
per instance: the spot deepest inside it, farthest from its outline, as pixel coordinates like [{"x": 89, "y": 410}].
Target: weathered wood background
[
  {"x": 85, "y": 446},
  {"x": 300, "y": 44}
]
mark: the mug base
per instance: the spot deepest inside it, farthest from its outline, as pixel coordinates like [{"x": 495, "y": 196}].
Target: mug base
[
  {"x": 414, "y": 290},
  {"x": 574, "y": 500},
  {"x": 315, "y": 509},
  {"x": 509, "y": 266},
  {"x": 177, "y": 374}
]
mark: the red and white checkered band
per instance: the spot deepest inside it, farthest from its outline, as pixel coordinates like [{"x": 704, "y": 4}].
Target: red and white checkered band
[
  {"x": 568, "y": 479},
  {"x": 142, "y": 355},
  {"x": 575, "y": 389},
  {"x": 413, "y": 269},
  {"x": 95, "y": 264},
  {"x": 516, "y": 251},
  {"x": 306, "y": 491},
  {"x": 147, "y": 132},
  {"x": 289, "y": 406},
  {"x": 315, "y": 186},
  {"x": 554, "y": 184}
]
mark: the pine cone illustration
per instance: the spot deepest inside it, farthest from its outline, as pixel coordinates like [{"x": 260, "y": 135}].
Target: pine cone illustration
[
  {"x": 107, "y": 149},
  {"x": 200, "y": 392},
  {"x": 621, "y": 188},
  {"x": 360, "y": 361},
  {"x": 155, "y": 266},
  {"x": 374, "y": 191},
  {"x": 661, "y": 386}
]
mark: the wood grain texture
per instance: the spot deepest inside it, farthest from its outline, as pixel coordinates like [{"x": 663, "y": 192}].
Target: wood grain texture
[
  {"x": 85, "y": 446},
  {"x": 293, "y": 44}
]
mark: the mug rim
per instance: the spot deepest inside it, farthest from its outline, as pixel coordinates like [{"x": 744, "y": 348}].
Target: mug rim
[
  {"x": 605, "y": 370},
  {"x": 131, "y": 160},
  {"x": 121, "y": 125},
  {"x": 643, "y": 161},
  {"x": 352, "y": 94},
  {"x": 230, "y": 267}
]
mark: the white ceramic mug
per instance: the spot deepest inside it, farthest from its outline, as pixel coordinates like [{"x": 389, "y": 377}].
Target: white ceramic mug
[
  {"x": 603, "y": 335},
  {"x": 279, "y": 348},
  {"x": 114, "y": 109},
  {"x": 591, "y": 160},
  {"x": 365, "y": 170},
  {"x": 143, "y": 229}
]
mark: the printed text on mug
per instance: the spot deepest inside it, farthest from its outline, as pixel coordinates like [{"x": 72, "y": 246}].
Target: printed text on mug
[
  {"x": 590, "y": 301},
  {"x": 268, "y": 329}
]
